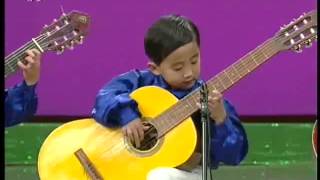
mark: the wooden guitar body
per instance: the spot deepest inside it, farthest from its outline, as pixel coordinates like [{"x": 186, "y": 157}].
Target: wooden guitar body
[{"x": 113, "y": 157}]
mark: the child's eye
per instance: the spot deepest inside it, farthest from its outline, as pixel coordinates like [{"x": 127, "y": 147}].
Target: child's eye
[
  {"x": 194, "y": 61},
  {"x": 177, "y": 68}
]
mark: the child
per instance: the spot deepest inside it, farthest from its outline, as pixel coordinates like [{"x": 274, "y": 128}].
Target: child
[
  {"x": 173, "y": 47},
  {"x": 21, "y": 101}
]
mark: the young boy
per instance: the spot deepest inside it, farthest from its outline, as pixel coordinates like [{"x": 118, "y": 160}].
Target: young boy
[
  {"x": 21, "y": 100},
  {"x": 173, "y": 47}
]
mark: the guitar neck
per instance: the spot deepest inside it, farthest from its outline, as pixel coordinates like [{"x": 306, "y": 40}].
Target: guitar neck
[
  {"x": 18, "y": 55},
  {"x": 221, "y": 82},
  {"x": 243, "y": 67}
]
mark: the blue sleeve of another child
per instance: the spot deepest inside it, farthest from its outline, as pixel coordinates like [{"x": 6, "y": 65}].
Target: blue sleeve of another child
[
  {"x": 114, "y": 106},
  {"x": 20, "y": 104}
]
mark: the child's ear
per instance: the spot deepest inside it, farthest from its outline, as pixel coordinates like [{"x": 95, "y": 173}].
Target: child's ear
[{"x": 154, "y": 68}]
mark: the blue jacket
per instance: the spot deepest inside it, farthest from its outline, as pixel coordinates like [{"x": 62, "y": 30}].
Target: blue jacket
[
  {"x": 114, "y": 107},
  {"x": 20, "y": 103}
]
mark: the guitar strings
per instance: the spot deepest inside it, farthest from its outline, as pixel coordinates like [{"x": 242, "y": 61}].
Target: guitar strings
[
  {"x": 12, "y": 58},
  {"x": 23, "y": 47},
  {"x": 40, "y": 40},
  {"x": 44, "y": 35},
  {"x": 268, "y": 48},
  {"x": 11, "y": 62}
]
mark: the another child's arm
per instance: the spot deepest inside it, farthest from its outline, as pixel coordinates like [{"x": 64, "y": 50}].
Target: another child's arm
[
  {"x": 31, "y": 70},
  {"x": 21, "y": 101}
]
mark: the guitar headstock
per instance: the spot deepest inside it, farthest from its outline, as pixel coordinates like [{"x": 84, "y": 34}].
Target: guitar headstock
[
  {"x": 65, "y": 32},
  {"x": 299, "y": 33}
]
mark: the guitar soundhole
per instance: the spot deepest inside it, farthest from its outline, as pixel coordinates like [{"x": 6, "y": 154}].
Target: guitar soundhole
[{"x": 150, "y": 138}]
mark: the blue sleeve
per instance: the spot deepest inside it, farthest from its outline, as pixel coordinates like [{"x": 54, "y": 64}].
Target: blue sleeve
[
  {"x": 114, "y": 106},
  {"x": 229, "y": 143},
  {"x": 21, "y": 104}
]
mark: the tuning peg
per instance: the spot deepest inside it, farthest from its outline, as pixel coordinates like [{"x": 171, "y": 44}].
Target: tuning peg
[
  {"x": 66, "y": 22},
  {"x": 77, "y": 41},
  {"x": 297, "y": 48},
  {"x": 63, "y": 14},
  {"x": 72, "y": 43},
  {"x": 286, "y": 34},
  {"x": 75, "y": 33},
  {"x": 55, "y": 20},
  {"x": 283, "y": 27},
  {"x": 312, "y": 30},
  {"x": 293, "y": 20},
  {"x": 80, "y": 40},
  {"x": 292, "y": 41},
  {"x": 60, "y": 50},
  {"x": 65, "y": 38},
  {"x": 55, "y": 43},
  {"x": 314, "y": 38},
  {"x": 308, "y": 43},
  {"x": 305, "y": 21},
  {"x": 45, "y": 26},
  {"x": 70, "y": 47}
]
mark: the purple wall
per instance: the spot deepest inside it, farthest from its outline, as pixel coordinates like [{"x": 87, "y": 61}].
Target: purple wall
[{"x": 229, "y": 29}]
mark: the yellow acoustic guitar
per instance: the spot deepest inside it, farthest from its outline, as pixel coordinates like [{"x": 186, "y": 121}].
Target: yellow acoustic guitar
[{"x": 84, "y": 149}]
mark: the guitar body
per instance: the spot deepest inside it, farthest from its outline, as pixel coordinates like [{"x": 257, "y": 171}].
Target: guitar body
[{"x": 109, "y": 151}]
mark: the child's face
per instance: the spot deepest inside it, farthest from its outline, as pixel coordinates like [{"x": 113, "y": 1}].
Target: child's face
[{"x": 181, "y": 68}]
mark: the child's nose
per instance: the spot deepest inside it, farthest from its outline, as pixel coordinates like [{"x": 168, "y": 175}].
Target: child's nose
[{"x": 188, "y": 74}]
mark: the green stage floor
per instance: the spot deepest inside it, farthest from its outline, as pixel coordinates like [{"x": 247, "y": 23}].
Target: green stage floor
[{"x": 278, "y": 151}]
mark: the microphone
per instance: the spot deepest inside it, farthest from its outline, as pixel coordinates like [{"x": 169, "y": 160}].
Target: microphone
[
  {"x": 204, "y": 101},
  {"x": 205, "y": 130}
]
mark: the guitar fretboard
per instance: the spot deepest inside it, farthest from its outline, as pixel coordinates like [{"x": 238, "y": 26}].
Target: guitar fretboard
[
  {"x": 12, "y": 59},
  {"x": 221, "y": 82},
  {"x": 40, "y": 42}
]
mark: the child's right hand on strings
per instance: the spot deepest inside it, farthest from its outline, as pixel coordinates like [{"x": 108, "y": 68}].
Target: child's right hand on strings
[{"x": 134, "y": 131}]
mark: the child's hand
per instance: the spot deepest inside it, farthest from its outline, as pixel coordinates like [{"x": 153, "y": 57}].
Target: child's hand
[
  {"x": 134, "y": 131},
  {"x": 31, "y": 70},
  {"x": 216, "y": 107}
]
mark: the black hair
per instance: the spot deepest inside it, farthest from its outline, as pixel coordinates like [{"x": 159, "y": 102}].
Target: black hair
[{"x": 168, "y": 34}]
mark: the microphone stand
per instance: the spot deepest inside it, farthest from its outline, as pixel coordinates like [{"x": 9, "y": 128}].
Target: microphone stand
[{"x": 205, "y": 114}]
